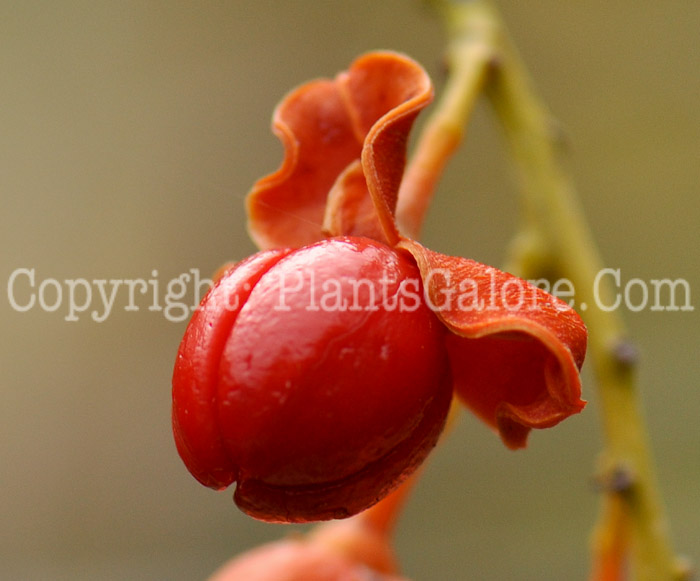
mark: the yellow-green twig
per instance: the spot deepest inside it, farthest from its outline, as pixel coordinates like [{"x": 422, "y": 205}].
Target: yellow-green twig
[{"x": 555, "y": 241}]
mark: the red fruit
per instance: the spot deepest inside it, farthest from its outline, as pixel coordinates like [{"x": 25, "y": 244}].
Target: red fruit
[
  {"x": 315, "y": 378},
  {"x": 297, "y": 560}
]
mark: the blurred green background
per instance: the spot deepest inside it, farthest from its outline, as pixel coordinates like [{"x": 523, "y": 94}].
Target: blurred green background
[{"x": 129, "y": 135}]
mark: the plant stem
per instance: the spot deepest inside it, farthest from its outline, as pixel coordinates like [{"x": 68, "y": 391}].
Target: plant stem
[{"x": 555, "y": 241}]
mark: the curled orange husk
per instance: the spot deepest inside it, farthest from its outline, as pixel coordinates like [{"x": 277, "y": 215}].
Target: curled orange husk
[
  {"x": 363, "y": 114},
  {"x": 515, "y": 350}
]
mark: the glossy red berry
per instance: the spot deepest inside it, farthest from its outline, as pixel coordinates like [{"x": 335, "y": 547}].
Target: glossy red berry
[
  {"x": 315, "y": 378},
  {"x": 314, "y": 375}
]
